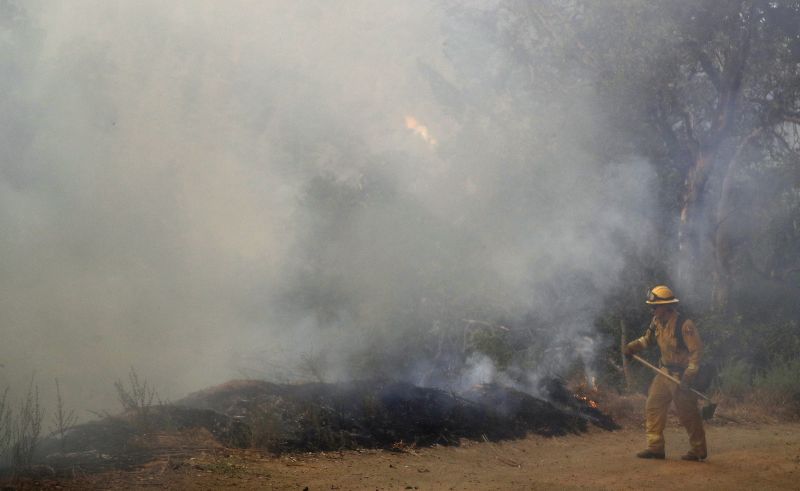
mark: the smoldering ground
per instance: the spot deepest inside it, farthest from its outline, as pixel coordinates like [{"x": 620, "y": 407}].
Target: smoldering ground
[{"x": 207, "y": 190}]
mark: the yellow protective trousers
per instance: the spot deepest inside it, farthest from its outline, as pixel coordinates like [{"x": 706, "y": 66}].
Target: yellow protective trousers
[{"x": 662, "y": 392}]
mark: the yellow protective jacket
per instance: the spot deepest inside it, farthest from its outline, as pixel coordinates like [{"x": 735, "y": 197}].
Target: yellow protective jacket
[{"x": 662, "y": 332}]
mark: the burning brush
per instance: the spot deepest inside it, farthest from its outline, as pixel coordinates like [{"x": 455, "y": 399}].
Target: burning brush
[
  {"x": 586, "y": 391},
  {"x": 592, "y": 404}
]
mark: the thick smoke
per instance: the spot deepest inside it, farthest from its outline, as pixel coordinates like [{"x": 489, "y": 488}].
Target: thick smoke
[{"x": 208, "y": 190}]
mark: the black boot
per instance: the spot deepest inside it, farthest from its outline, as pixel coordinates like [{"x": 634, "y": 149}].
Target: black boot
[
  {"x": 649, "y": 454},
  {"x": 692, "y": 457}
]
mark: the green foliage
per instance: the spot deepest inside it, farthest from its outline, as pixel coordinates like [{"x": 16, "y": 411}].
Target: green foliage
[
  {"x": 673, "y": 78},
  {"x": 735, "y": 379},
  {"x": 781, "y": 382},
  {"x": 680, "y": 76},
  {"x": 778, "y": 383},
  {"x": 739, "y": 337}
]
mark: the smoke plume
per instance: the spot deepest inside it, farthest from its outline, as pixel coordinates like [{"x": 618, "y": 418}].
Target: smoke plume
[{"x": 289, "y": 190}]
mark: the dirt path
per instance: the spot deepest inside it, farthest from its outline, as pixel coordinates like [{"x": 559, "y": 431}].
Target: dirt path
[{"x": 741, "y": 457}]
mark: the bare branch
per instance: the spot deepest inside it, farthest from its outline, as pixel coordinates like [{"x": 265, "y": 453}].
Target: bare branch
[
  {"x": 27, "y": 428},
  {"x": 63, "y": 419},
  {"x": 137, "y": 398}
]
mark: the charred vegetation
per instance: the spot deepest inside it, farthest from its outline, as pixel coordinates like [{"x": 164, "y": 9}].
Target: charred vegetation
[{"x": 312, "y": 417}]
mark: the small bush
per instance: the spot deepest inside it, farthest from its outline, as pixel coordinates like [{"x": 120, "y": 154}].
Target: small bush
[
  {"x": 138, "y": 398},
  {"x": 736, "y": 379},
  {"x": 781, "y": 382},
  {"x": 314, "y": 364},
  {"x": 267, "y": 428},
  {"x": 26, "y": 428},
  {"x": 63, "y": 419}
]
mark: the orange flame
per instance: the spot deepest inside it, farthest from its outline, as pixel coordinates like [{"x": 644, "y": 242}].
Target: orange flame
[
  {"x": 591, "y": 403},
  {"x": 420, "y": 130}
]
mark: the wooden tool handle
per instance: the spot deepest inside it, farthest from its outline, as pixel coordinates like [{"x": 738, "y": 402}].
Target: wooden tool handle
[{"x": 665, "y": 374}]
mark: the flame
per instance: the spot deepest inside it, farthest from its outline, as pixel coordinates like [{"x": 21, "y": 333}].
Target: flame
[
  {"x": 585, "y": 390},
  {"x": 592, "y": 404},
  {"x": 420, "y": 130}
]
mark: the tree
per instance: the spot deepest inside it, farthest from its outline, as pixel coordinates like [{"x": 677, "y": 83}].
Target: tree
[{"x": 706, "y": 89}]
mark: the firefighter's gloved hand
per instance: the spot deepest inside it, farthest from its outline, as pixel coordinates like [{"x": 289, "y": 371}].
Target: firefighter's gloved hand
[{"x": 628, "y": 352}]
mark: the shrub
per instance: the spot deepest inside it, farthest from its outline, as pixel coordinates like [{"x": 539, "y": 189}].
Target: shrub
[
  {"x": 26, "y": 427},
  {"x": 267, "y": 428},
  {"x": 781, "y": 382},
  {"x": 63, "y": 419},
  {"x": 137, "y": 398},
  {"x": 735, "y": 379}
]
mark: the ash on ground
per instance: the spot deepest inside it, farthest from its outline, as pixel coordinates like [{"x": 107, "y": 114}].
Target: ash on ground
[{"x": 320, "y": 417}]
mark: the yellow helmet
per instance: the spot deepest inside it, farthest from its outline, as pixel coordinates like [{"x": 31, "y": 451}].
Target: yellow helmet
[{"x": 661, "y": 295}]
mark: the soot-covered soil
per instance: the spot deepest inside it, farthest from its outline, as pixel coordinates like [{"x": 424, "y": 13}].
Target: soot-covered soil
[
  {"x": 280, "y": 418},
  {"x": 379, "y": 414}
]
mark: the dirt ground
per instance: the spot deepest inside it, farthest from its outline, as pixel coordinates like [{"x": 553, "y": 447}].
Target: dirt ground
[{"x": 741, "y": 457}]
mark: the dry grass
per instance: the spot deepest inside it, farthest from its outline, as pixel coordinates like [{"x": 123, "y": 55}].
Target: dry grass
[
  {"x": 754, "y": 408},
  {"x": 626, "y": 409},
  {"x": 758, "y": 407}
]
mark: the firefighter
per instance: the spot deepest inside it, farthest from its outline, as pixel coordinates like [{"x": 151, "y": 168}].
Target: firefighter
[{"x": 680, "y": 355}]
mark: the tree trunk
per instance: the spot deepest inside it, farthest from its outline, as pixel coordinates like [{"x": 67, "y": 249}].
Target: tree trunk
[
  {"x": 689, "y": 227},
  {"x": 723, "y": 249},
  {"x": 724, "y": 215}
]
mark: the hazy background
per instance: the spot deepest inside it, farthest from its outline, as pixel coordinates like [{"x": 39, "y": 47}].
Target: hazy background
[{"x": 212, "y": 190}]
